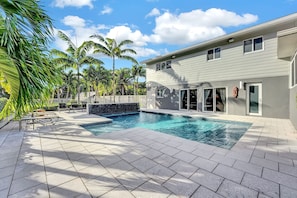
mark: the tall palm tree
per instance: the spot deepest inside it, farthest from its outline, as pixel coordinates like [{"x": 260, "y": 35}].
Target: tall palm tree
[
  {"x": 75, "y": 56},
  {"x": 70, "y": 82},
  {"x": 97, "y": 74},
  {"x": 87, "y": 73},
  {"x": 123, "y": 79},
  {"x": 111, "y": 48},
  {"x": 137, "y": 71},
  {"x": 25, "y": 31}
]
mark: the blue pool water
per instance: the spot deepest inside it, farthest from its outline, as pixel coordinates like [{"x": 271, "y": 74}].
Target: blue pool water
[{"x": 218, "y": 133}]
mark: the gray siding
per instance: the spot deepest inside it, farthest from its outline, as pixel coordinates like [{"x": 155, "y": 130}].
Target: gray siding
[
  {"x": 293, "y": 106},
  {"x": 233, "y": 64},
  {"x": 272, "y": 88}
]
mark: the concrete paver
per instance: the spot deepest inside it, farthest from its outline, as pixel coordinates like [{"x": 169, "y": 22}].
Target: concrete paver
[{"x": 66, "y": 160}]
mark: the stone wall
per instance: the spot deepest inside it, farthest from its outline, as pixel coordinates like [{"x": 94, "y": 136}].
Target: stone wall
[{"x": 119, "y": 108}]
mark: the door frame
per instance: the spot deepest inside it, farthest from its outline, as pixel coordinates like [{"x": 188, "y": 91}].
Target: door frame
[
  {"x": 180, "y": 99},
  {"x": 214, "y": 89},
  {"x": 188, "y": 99},
  {"x": 259, "y": 99}
]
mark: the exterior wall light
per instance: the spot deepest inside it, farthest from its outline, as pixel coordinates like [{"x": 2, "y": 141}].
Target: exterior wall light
[
  {"x": 230, "y": 40},
  {"x": 241, "y": 85}
]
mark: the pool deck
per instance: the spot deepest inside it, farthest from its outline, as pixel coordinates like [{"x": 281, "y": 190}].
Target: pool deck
[{"x": 65, "y": 160}]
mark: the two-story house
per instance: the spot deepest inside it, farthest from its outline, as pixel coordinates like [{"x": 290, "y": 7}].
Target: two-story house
[{"x": 249, "y": 72}]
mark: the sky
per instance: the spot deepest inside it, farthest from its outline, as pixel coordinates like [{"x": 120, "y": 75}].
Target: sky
[{"x": 157, "y": 27}]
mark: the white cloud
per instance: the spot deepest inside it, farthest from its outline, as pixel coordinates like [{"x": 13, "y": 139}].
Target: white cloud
[
  {"x": 120, "y": 33},
  {"x": 81, "y": 31},
  {"x": 184, "y": 28},
  {"x": 153, "y": 12},
  {"x": 73, "y": 3},
  {"x": 106, "y": 10},
  {"x": 196, "y": 25},
  {"x": 73, "y": 21}
]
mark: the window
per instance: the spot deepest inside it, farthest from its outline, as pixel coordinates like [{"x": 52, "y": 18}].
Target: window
[
  {"x": 157, "y": 66},
  {"x": 163, "y": 65},
  {"x": 168, "y": 64},
  {"x": 293, "y": 75},
  {"x": 161, "y": 92},
  {"x": 254, "y": 44},
  {"x": 214, "y": 54}
]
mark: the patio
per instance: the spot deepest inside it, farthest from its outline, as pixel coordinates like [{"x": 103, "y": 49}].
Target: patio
[{"x": 65, "y": 160}]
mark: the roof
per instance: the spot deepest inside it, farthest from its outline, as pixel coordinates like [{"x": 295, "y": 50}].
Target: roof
[{"x": 276, "y": 25}]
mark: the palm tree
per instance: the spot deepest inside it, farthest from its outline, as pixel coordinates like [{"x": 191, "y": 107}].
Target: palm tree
[
  {"x": 70, "y": 82},
  {"x": 111, "y": 48},
  {"x": 87, "y": 73},
  {"x": 137, "y": 71},
  {"x": 123, "y": 79},
  {"x": 25, "y": 31},
  {"x": 97, "y": 75},
  {"x": 75, "y": 57}
]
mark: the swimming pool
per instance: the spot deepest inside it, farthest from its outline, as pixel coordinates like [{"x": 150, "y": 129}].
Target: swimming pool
[{"x": 213, "y": 132}]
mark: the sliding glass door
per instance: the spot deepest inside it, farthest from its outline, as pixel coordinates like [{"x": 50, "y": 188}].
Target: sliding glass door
[
  {"x": 183, "y": 102},
  {"x": 193, "y": 99},
  {"x": 188, "y": 99},
  {"x": 214, "y": 100}
]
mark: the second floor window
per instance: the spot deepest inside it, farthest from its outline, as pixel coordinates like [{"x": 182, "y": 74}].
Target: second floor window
[
  {"x": 168, "y": 64},
  {"x": 214, "y": 54},
  {"x": 254, "y": 44}
]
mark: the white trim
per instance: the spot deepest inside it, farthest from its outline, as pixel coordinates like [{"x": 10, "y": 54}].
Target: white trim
[
  {"x": 293, "y": 74},
  {"x": 253, "y": 50},
  {"x": 213, "y": 49},
  {"x": 214, "y": 100},
  {"x": 179, "y": 101},
  {"x": 188, "y": 99},
  {"x": 259, "y": 99}
]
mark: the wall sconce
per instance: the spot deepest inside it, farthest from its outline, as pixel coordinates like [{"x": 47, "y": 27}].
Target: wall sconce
[
  {"x": 241, "y": 85},
  {"x": 230, "y": 40}
]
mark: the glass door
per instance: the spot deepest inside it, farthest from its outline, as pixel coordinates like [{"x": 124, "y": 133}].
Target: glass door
[
  {"x": 254, "y": 99},
  {"x": 193, "y": 99},
  {"x": 183, "y": 102},
  {"x": 208, "y": 100},
  {"x": 214, "y": 100},
  {"x": 220, "y": 100}
]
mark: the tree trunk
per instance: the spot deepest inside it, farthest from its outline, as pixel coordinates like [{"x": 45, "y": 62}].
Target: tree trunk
[
  {"x": 113, "y": 79},
  {"x": 78, "y": 86}
]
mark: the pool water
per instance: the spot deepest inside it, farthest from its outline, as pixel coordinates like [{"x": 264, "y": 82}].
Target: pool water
[{"x": 213, "y": 132}]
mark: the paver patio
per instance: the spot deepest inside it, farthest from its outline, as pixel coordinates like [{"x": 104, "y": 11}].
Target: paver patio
[{"x": 65, "y": 160}]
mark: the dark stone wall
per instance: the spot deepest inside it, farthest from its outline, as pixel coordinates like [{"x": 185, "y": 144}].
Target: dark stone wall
[{"x": 103, "y": 109}]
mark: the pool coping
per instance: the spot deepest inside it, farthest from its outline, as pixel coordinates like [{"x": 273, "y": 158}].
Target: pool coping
[{"x": 67, "y": 160}]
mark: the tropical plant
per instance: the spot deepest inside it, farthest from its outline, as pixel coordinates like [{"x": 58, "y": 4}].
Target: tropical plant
[
  {"x": 123, "y": 79},
  {"x": 97, "y": 75},
  {"x": 70, "y": 82},
  {"x": 111, "y": 48},
  {"x": 137, "y": 71},
  {"x": 74, "y": 57},
  {"x": 26, "y": 72}
]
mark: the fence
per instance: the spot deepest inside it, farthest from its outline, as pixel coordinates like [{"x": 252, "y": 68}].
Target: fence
[{"x": 141, "y": 99}]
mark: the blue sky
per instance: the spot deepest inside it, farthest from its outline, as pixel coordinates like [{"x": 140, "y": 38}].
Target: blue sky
[{"x": 159, "y": 26}]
